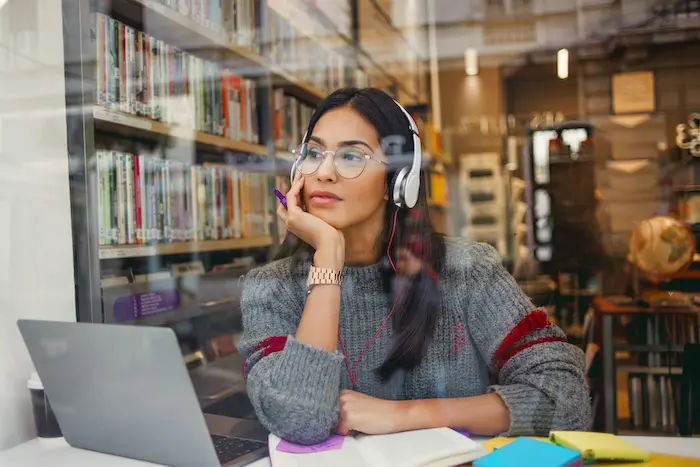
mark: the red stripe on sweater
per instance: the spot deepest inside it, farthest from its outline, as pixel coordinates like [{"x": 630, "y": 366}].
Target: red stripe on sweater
[
  {"x": 268, "y": 346},
  {"x": 272, "y": 340},
  {"x": 527, "y": 345},
  {"x": 532, "y": 322},
  {"x": 271, "y": 345}
]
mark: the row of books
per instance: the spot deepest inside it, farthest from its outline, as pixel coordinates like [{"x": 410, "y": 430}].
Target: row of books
[
  {"x": 235, "y": 19},
  {"x": 141, "y": 75},
  {"x": 144, "y": 199},
  {"x": 292, "y": 41},
  {"x": 291, "y": 118}
]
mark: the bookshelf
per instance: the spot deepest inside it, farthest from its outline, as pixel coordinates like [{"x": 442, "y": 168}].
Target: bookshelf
[
  {"x": 133, "y": 126},
  {"x": 139, "y": 251},
  {"x": 182, "y": 117}
]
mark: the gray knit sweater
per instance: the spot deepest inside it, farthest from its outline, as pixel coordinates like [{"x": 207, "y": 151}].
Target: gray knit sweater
[{"x": 489, "y": 338}]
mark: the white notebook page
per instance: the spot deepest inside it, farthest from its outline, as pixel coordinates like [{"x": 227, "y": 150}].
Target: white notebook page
[{"x": 416, "y": 448}]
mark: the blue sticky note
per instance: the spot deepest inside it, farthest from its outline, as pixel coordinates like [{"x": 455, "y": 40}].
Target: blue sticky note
[{"x": 526, "y": 452}]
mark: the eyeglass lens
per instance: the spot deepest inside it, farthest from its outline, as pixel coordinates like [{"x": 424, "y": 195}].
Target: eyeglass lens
[{"x": 349, "y": 161}]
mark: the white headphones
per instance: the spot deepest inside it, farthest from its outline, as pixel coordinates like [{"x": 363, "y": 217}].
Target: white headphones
[{"x": 406, "y": 184}]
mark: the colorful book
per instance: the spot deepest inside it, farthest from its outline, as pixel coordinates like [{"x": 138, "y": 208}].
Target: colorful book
[
  {"x": 599, "y": 446},
  {"x": 527, "y": 452}
]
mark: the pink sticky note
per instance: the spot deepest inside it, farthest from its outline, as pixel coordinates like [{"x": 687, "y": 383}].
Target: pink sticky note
[{"x": 332, "y": 443}]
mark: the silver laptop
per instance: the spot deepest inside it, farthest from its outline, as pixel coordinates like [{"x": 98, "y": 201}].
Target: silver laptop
[{"x": 124, "y": 390}]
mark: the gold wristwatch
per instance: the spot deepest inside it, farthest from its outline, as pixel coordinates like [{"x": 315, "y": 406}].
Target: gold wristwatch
[{"x": 323, "y": 276}]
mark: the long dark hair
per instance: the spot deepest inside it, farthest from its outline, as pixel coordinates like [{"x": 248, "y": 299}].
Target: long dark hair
[{"x": 417, "y": 307}]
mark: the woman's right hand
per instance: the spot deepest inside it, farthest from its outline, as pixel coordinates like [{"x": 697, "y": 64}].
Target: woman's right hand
[{"x": 328, "y": 242}]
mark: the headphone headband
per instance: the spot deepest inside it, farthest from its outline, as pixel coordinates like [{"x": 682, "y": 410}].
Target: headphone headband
[{"x": 407, "y": 185}]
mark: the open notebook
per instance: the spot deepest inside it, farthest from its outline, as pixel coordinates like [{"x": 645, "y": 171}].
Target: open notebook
[{"x": 438, "y": 447}]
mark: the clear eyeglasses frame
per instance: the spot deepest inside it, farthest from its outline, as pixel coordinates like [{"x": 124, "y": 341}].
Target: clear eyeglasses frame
[{"x": 349, "y": 161}]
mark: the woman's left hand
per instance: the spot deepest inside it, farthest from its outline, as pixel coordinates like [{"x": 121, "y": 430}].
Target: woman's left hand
[{"x": 366, "y": 414}]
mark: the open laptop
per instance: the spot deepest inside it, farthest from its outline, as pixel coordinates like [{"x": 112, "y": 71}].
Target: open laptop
[{"x": 124, "y": 390}]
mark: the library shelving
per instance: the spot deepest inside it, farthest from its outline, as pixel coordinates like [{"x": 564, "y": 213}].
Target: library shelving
[
  {"x": 136, "y": 251},
  {"x": 133, "y": 126},
  {"x": 182, "y": 115}
]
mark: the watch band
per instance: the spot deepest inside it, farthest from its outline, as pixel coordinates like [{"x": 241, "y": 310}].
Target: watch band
[{"x": 323, "y": 276}]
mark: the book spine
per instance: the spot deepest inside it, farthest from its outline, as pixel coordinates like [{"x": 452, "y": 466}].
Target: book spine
[
  {"x": 237, "y": 202},
  {"x": 181, "y": 203},
  {"x": 100, "y": 34},
  {"x": 167, "y": 203},
  {"x": 120, "y": 67},
  {"x": 202, "y": 199},
  {"x": 139, "y": 196},
  {"x": 140, "y": 75},
  {"x": 230, "y": 207},
  {"x": 153, "y": 191},
  {"x": 164, "y": 227},
  {"x": 145, "y": 198},
  {"x": 99, "y": 161},
  {"x": 113, "y": 194},
  {"x": 121, "y": 200},
  {"x": 147, "y": 77},
  {"x": 129, "y": 195}
]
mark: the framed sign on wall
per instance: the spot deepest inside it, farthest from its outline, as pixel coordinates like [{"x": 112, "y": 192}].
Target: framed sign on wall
[{"x": 633, "y": 92}]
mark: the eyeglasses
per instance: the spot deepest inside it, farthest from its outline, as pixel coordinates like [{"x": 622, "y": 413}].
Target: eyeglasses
[{"x": 349, "y": 161}]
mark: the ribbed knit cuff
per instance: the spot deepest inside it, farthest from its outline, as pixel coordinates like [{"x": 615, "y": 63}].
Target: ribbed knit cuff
[
  {"x": 311, "y": 375},
  {"x": 531, "y": 412}
]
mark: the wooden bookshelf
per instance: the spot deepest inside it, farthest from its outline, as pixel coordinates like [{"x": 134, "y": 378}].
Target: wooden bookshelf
[
  {"x": 131, "y": 125},
  {"x": 178, "y": 30},
  {"x": 175, "y": 248}
]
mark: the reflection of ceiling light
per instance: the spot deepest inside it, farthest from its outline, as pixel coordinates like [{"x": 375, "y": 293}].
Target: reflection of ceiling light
[
  {"x": 2, "y": 3},
  {"x": 629, "y": 166},
  {"x": 471, "y": 61},
  {"x": 563, "y": 63}
]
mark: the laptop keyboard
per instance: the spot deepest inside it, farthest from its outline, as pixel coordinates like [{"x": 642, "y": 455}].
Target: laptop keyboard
[{"x": 228, "y": 449}]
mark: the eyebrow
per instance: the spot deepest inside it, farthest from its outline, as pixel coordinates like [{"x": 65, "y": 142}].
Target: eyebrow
[{"x": 351, "y": 142}]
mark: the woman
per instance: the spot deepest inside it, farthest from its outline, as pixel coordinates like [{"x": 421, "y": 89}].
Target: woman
[{"x": 452, "y": 342}]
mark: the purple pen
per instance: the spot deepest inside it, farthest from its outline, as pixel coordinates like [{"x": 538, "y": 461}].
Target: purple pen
[{"x": 282, "y": 198}]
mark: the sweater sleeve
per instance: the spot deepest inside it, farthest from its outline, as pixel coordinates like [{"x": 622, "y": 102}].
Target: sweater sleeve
[
  {"x": 293, "y": 387},
  {"x": 539, "y": 375}
]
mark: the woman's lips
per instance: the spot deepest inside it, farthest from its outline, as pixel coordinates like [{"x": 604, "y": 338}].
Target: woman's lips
[{"x": 322, "y": 201}]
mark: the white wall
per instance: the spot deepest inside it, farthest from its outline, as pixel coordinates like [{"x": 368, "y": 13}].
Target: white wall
[{"x": 36, "y": 262}]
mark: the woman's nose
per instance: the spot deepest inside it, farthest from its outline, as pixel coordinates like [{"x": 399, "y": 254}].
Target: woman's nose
[{"x": 327, "y": 170}]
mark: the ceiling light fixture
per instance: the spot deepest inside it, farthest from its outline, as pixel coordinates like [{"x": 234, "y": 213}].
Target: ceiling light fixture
[
  {"x": 563, "y": 64},
  {"x": 471, "y": 61}
]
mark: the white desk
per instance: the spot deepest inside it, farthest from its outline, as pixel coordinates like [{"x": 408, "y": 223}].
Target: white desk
[{"x": 57, "y": 453}]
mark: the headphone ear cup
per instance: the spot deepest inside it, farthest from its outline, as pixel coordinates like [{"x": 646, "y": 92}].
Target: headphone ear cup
[
  {"x": 410, "y": 190},
  {"x": 397, "y": 187}
]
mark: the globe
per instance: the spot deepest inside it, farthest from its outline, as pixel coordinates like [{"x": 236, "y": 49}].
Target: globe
[{"x": 661, "y": 246}]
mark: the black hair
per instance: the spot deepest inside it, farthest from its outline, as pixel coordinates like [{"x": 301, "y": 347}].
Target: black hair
[{"x": 417, "y": 308}]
